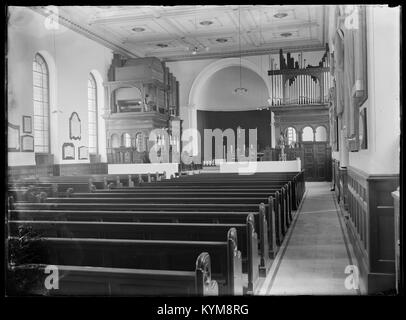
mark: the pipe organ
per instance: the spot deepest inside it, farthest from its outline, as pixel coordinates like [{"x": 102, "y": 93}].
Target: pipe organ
[
  {"x": 300, "y": 94},
  {"x": 296, "y": 83}
]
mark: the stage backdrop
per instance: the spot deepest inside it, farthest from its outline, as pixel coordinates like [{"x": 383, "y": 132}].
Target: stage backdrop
[{"x": 259, "y": 119}]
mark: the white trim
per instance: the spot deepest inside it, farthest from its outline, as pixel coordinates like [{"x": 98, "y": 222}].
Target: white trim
[
  {"x": 101, "y": 126},
  {"x": 53, "y": 109}
]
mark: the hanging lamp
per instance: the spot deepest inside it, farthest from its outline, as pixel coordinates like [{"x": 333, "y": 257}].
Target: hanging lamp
[{"x": 240, "y": 90}]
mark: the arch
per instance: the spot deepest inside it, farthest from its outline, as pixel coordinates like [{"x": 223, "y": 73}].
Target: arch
[
  {"x": 126, "y": 140},
  {"x": 115, "y": 141},
  {"x": 308, "y": 134},
  {"x": 139, "y": 142},
  {"x": 291, "y": 135},
  {"x": 321, "y": 134},
  {"x": 212, "y": 68}
]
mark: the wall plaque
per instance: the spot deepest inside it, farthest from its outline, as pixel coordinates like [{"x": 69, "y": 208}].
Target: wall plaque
[
  {"x": 68, "y": 151},
  {"x": 83, "y": 153},
  {"x": 27, "y": 143},
  {"x": 74, "y": 127},
  {"x": 27, "y": 124}
]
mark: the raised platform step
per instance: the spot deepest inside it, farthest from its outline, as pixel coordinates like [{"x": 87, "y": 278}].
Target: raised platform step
[{"x": 210, "y": 169}]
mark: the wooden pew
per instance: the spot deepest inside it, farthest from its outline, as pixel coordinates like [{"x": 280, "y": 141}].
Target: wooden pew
[
  {"x": 149, "y": 254},
  {"x": 193, "y": 196},
  {"x": 220, "y": 220},
  {"x": 135, "y": 216},
  {"x": 278, "y": 220},
  {"x": 52, "y": 188},
  {"x": 220, "y": 185},
  {"x": 297, "y": 180},
  {"x": 218, "y": 193},
  {"x": 247, "y": 237},
  {"x": 208, "y": 204},
  {"x": 186, "y": 193},
  {"x": 101, "y": 281}
]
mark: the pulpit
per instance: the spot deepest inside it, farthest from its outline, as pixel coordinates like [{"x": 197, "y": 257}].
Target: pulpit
[{"x": 142, "y": 95}]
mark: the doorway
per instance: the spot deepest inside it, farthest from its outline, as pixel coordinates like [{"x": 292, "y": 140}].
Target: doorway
[{"x": 317, "y": 161}]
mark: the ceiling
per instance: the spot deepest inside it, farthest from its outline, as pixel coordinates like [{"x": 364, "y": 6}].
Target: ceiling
[{"x": 172, "y": 32}]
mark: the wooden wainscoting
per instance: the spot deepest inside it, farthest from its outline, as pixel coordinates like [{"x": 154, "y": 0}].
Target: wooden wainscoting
[
  {"x": 21, "y": 172},
  {"x": 371, "y": 228},
  {"x": 77, "y": 169}
]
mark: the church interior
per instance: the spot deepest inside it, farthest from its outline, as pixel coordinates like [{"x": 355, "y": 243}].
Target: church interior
[{"x": 203, "y": 150}]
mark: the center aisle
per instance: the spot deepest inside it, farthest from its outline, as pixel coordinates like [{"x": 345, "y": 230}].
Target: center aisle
[{"x": 313, "y": 258}]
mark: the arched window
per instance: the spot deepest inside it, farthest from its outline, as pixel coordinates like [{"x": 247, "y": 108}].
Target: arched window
[
  {"x": 115, "y": 141},
  {"x": 321, "y": 133},
  {"x": 139, "y": 142},
  {"x": 290, "y": 135},
  {"x": 92, "y": 113},
  {"x": 126, "y": 140},
  {"x": 307, "y": 134},
  {"x": 41, "y": 104}
]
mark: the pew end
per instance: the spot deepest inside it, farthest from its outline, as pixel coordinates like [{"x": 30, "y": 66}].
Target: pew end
[
  {"x": 253, "y": 256},
  {"x": 235, "y": 280},
  {"x": 265, "y": 262},
  {"x": 273, "y": 247},
  {"x": 205, "y": 286}
]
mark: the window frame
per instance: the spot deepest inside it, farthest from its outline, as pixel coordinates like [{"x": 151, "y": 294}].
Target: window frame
[
  {"x": 42, "y": 65},
  {"x": 92, "y": 79}
]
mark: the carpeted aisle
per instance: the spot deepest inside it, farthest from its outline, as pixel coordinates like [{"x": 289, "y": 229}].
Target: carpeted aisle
[{"x": 314, "y": 255}]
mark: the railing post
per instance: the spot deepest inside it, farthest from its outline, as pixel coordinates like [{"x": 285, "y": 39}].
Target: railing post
[
  {"x": 118, "y": 183},
  {"x": 105, "y": 183},
  {"x": 55, "y": 190},
  {"x": 130, "y": 182}
]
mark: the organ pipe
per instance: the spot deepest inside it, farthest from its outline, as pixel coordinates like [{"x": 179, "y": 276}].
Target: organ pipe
[{"x": 297, "y": 82}]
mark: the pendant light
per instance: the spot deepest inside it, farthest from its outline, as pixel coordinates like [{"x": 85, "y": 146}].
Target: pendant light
[{"x": 240, "y": 90}]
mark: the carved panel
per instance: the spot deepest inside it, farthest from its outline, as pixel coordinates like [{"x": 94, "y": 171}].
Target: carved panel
[{"x": 371, "y": 223}]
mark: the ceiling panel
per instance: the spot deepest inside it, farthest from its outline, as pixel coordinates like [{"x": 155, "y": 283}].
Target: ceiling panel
[{"x": 170, "y": 32}]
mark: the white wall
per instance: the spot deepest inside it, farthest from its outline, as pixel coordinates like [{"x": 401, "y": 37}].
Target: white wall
[
  {"x": 187, "y": 71},
  {"x": 383, "y": 41},
  {"x": 218, "y": 92},
  {"x": 74, "y": 57}
]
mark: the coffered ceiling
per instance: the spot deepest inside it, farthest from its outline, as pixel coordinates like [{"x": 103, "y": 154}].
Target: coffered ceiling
[{"x": 195, "y": 32}]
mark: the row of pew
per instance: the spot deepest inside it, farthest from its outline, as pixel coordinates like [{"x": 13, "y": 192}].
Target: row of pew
[{"x": 206, "y": 234}]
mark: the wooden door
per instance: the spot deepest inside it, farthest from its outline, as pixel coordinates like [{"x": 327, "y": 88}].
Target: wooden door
[
  {"x": 316, "y": 161},
  {"x": 308, "y": 160}
]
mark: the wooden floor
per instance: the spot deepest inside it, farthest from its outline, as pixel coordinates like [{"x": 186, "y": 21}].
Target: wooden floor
[{"x": 314, "y": 255}]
